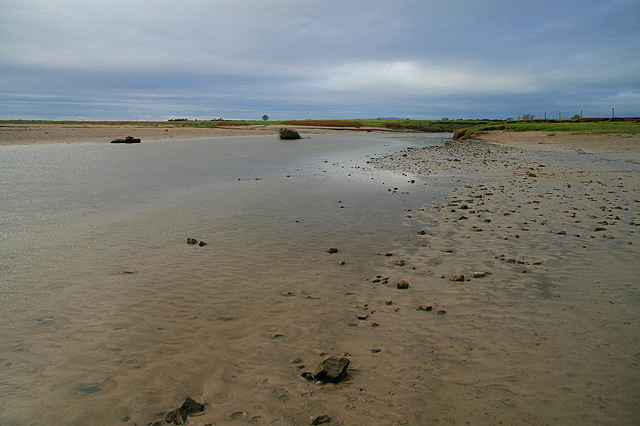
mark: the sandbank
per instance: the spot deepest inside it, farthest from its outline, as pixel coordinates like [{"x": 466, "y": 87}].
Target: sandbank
[
  {"x": 36, "y": 133},
  {"x": 533, "y": 256}
]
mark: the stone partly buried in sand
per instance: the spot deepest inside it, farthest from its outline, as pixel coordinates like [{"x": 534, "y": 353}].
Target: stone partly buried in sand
[
  {"x": 194, "y": 241},
  {"x": 128, "y": 139},
  {"x": 188, "y": 408},
  {"x": 331, "y": 370}
]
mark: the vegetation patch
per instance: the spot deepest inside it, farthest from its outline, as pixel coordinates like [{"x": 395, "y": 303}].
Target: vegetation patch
[{"x": 323, "y": 123}]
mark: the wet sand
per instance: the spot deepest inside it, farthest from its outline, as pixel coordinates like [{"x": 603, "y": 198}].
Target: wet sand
[
  {"x": 28, "y": 133},
  {"x": 544, "y": 328}
]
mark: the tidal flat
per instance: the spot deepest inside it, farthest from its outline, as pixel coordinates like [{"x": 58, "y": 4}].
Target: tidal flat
[{"x": 520, "y": 264}]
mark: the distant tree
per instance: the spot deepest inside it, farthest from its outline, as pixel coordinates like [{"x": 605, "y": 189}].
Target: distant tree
[
  {"x": 265, "y": 117},
  {"x": 576, "y": 117},
  {"x": 445, "y": 118}
]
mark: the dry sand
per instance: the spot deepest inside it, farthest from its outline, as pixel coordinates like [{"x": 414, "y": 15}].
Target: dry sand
[{"x": 28, "y": 133}]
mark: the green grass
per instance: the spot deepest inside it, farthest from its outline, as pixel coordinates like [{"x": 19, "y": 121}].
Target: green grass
[{"x": 576, "y": 127}]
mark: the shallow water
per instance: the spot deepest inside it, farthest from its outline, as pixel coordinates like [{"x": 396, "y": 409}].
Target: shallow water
[{"x": 104, "y": 308}]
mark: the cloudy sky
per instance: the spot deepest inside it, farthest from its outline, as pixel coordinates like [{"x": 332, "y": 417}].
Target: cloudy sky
[{"x": 296, "y": 59}]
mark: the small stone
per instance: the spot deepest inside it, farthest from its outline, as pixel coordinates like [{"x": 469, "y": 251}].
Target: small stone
[
  {"x": 399, "y": 262},
  {"x": 421, "y": 232},
  {"x": 363, "y": 317},
  {"x": 308, "y": 376},
  {"x": 376, "y": 350},
  {"x": 202, "y": 244},
  {"x": 320, "y": 419},
  {"x": 192, "y": 407},
  {"x": 295, "y": 360},
  {"x": 192, "y": 241},
  {"x": 177, "y": 416},
  {"x": 458, "y": 277},
  {"x": 332, "y": 250},
  {"x": 388, "y": 302},
  {"x": 599, "y": 229},
  {"x": 332, "y": 369},
  {"x": 441, "y": 312},
  {"x": 388, "y": 254},
  {"x": 479, "y": 274},
  {"x": 402, "y": 285},
  {"x": 424, "y": 308}
]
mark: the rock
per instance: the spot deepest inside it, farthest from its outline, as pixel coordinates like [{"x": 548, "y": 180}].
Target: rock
[
  {"x": 424, "y": 308},
  {"x": 332, "y": 250},
  {"x": 202, "y": 243},
  {"x": 402, "y": 285},
  {"x": 332, "y": 369},
  {"x": 192, "y": 407},
  {"x": 458, "y": 277},
  {"x": 421, "y": 232},
  {"x": 599, "y": 229},
  {"x": 441, "y": 312},
  {"x": 128, "y": 139},
  {"x": 320, "y": 419},
  {"x": 192, "y": 241},
  {"x": 480, "y": 274},
  {"x": 289, "y": 134},
  {"x": 177, "y": 416},
  {"x": 399, "y": 262},
  {"x": 308, "y": 376},
  {"x": 363, "y": 317}
]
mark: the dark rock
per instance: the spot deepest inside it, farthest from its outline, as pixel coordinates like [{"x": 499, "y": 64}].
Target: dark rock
[
  {"x": 421, "y": 232},
  {"x": 320, "y": 419},
  {"x": 192, "y": 241},
  {"x": 332, "y": 369},
  {"x": 128, "y": 139},
  {"x": 458, "y": 277},
  {"x": 441, "y": 312},
  {"x": 308, "y": 376},
  {"x": 424, "y": 308},
  {"x": 288, "y": 134},
  {"x": 402, "y": 285},
  {"x": 332, "y": 250},
  {"x": 192, "y": 407},
  {"x": 202, "y": 243},
  {"x": 376, "y": 350},
  {"x": 599, "y": 229},
  {"x": 177, "y": 416}
]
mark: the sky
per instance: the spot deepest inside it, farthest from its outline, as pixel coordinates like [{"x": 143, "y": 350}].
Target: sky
[{"x": 319, "y": 59}]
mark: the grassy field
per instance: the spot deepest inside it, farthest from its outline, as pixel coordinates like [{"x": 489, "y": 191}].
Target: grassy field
[{"x": 605, "y": 126}]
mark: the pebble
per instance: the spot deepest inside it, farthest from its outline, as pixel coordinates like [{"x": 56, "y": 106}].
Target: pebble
[
  {"x": 332, "y": 250},
  {"x": 399, "y": 262},
  {"x": 424, "y": 308},
  {"x": 320, "y": 419},
  {"x": 402, "y": 285},
  {"x": 458, "y": 277}
]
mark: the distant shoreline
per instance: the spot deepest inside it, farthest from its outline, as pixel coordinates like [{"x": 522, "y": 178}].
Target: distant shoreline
[{"x": 30, "y": 133}]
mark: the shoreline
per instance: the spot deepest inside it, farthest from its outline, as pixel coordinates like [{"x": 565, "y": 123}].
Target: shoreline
[{"x": 31, "y": 134}]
